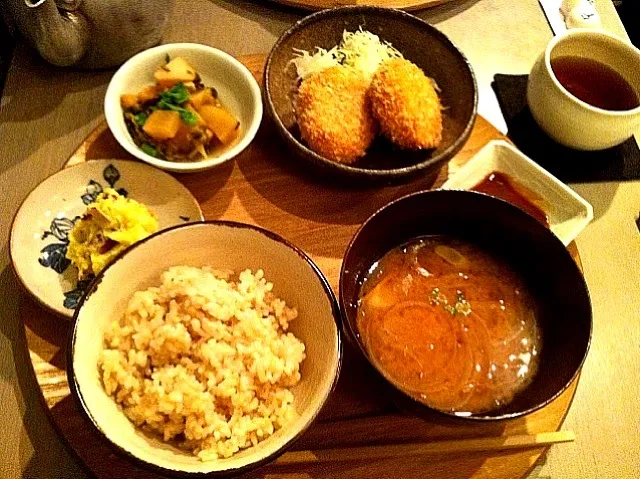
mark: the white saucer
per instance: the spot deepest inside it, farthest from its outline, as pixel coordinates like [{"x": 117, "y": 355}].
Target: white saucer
[{"x": 40, "y": 228}]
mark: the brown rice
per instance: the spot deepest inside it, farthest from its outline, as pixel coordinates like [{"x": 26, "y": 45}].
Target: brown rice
[{"x": 205, "y": 361}]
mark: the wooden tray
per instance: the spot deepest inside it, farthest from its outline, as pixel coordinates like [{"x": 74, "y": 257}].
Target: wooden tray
[
  {"x": 403, "y": 4},
  {"x": 264, "y": 187}
]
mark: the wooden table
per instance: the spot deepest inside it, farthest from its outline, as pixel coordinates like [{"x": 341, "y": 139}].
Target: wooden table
[
  {"x": 321, "y": 4},
  {"x": 264, "y": 187},
  {"x": 47, "y": 112}
]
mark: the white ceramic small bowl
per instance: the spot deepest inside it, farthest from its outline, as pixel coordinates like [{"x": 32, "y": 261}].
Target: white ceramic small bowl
[
  {"x": 224, "y": 245},
  {"x": 567, "y": 211},
  {"x": 41, "y": 226},
  {"x": 569, "y": 120},
  {"x": 237, "y": 89}
]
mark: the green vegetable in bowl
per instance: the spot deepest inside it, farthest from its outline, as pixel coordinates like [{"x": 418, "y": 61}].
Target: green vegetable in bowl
[
  {"x": 173, "y": 99},
  {"x": 149, "y": 150},
  {"x": 177, "y": 95},
  {"x": 141, "y": 118},
  {"x": 178, "y": 118}
]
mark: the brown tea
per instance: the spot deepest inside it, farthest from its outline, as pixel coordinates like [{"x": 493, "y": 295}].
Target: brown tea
[{"x": 595, "y": 83}]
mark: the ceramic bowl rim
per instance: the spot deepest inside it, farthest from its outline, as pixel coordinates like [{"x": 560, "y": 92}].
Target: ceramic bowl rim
[
  {"x": 380, "y": 174},
  {"x": 113, "y": 114},
  {"x": 589, "y": 33},
  {"x": 353, "y": 336},
  {"x": 123, "y": 453},
  {"x": 14, "y": 221}
]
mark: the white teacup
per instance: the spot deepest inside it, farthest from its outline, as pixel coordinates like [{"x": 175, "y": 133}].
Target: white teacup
[{"x": 569, "y": 120}]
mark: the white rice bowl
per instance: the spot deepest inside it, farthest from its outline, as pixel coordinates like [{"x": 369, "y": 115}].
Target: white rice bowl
[{"x": 281, "y": 367}]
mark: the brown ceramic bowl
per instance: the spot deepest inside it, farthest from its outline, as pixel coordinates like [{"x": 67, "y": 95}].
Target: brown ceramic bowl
[
  {"x": 420, "y": 43},
  {"x": 530, "y": 248}
]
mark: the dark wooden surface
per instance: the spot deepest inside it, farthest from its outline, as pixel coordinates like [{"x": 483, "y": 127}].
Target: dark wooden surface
[{"x": 403, "y": 4}]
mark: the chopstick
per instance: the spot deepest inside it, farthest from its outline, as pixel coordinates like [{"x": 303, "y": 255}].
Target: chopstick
[{"x": 429, "y": 448}]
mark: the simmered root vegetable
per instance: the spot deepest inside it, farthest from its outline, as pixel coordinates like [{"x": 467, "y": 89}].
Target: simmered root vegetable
[
  {"x": 149, "y": 93},
  {"x": 129, "y": 100},
  {"x": 220, "y": 122},
  {"x": 175, "y": 71},
  {"x": 162, "y": 124},
  {"x": 178, "y": 118},
  {"x": 201, "y": 98}
]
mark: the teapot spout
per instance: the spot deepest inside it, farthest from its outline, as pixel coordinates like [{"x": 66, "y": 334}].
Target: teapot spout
[{"x": 61, "y": 37}]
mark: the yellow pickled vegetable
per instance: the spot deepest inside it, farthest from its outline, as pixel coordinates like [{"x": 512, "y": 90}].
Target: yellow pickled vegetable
[{"x": 111, "y": 224}]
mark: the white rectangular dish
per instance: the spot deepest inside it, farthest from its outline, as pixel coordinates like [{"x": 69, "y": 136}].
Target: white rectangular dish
[{"x": 567, "y": 211}]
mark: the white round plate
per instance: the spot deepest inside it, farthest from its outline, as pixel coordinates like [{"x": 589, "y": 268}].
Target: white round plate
[{"x": 41, "y": 226}]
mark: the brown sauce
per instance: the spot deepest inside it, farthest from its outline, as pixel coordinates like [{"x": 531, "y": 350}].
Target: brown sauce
[
  {"x": 501, "y": 186},
  {"x": 595, "y": 83},
  {"x": 450, "y": 324}
]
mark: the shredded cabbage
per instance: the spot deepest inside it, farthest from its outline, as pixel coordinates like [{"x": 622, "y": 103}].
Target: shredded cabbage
[
  {"x": 307, "y": 64},
  {"x": 361, "y": 50}
]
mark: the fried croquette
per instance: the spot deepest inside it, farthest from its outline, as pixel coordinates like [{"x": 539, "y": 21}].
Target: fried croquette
[
  {"x": 405, "y": 102},
  {"x": 334, "y": 114}
]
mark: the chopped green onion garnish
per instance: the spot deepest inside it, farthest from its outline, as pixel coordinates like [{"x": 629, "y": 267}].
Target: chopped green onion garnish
[
  {"x": 141, "y": 118},
  {"x": 149, "y": 150},
  {"x": 177, "y": 95},
  {"x": 173, "y": 98},
  {"x": 188, "y": 117}
]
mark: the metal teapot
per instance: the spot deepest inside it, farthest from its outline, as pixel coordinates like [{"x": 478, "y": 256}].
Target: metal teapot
[{"x": 90, "y": 33}]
